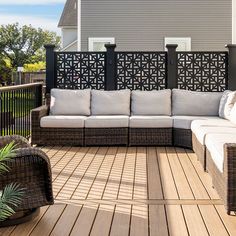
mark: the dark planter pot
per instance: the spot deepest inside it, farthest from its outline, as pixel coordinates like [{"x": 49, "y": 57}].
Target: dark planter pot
[{"x": 20, "y": 217}]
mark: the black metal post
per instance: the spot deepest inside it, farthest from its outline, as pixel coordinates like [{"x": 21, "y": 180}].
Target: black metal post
[
  {"x": 50, "y": 66},
  {"x": 172, "y": 66},
  {"x": 110, "y": 67},
  {"x": 231, "y": 66},
  {"x": 39, "y": 95}
]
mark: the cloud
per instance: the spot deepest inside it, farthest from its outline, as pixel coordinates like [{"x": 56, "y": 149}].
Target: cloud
[
  {"x": 31, "y": 2},
  {"x": 35, "y": 21}
]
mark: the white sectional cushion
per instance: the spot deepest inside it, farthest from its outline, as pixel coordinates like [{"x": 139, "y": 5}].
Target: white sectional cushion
[
  {"x": 107, "y": 122},
  {"x": 184, "y": 122},
  {"x": 110, "y": 102},
  {"x": 203, "y": 131},
  {"x": 191, "y": 103},
  {"x": 214, "y": 122},
  {"x": 70, "y": 102},
  {"x": 233, "y": 114},
  {"x": 62, "y": 121},
  {"x": 226, "y": 104},
  {"x": 215, "y": 145},
  {"x": 151, "y": 122},
  {"x": 151, "y": 102}
]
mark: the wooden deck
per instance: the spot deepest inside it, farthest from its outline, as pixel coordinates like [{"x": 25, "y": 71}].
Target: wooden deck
[{"x": 129, "y": 191}]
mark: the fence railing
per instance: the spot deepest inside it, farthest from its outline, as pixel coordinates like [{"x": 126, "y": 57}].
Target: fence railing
[
  {"x": 111, "y": 70},
  {"x": 16, "y": 102}
]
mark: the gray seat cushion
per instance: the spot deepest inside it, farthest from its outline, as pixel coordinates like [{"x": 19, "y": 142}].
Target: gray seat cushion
[
  {"x": 184, "y": 122},
  {"x": 203, "y": 131},
  {"x": 151, "y": 122},
  {"x": 110, "y": 102},
  {"x": 214, "y": 122},
  {"x": 191, "y": 103},
  {"x": 107, "y": 122},
  {"x": 215, "y": 145},
  {"x": 62, "y": 121},
  {"x": 151, "y": 102}
]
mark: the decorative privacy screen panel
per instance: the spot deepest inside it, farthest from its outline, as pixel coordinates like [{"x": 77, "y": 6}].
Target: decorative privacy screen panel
[
  {"x": 80, "y": 70},
  {"x": 202, "y": 71},
  {"x": 141, "y": 70}
]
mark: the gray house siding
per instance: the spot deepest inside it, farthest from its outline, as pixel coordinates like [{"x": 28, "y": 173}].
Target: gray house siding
[{"x": 143, "y": 24}]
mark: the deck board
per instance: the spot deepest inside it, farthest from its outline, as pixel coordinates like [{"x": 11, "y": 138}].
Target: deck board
[{"x": 123, "y": 191}]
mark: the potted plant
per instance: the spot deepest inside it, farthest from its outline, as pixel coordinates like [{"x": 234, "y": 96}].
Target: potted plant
[{"x": 11, "y": 195}]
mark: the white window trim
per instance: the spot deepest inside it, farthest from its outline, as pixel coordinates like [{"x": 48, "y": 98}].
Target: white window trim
[
  {"x": 79, "y": 25},
  {"x": 92, "y": 40},
  {"x": 175, "y": 40}
]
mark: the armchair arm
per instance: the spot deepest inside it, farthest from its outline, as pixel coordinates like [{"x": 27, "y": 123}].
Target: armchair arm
[
  {"x": 19, "y": 141},
  {"x": 39, "y": 112},
  {"x": 37, "y": 164},
  {"x": 36, "y": 115},
  {"x": 230, "y": 163}
]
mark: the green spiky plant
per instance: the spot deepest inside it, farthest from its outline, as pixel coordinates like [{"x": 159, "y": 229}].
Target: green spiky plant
[{"x": 11, "y": 195}]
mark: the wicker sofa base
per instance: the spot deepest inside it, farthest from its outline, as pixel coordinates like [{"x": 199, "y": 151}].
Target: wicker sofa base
[
  {"x": 106, "y": 136},
  {"x": 200, "y": 151},
  {"x": 182, "y": 138},
  {"x": 58, "y": 136},
  {"x": 150, "y": 136},
  {"x": 224, "y": 183}
]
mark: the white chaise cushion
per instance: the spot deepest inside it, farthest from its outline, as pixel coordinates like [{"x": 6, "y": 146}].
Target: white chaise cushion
[
  {"x": 62, "y": 121},
  {"x": 192, "y": 103},
  {"x": 110, "y": 102},
  {"x": 214, "y": 122},
  {"x": 70, "y": 102},
  {"x": 151, "y": 102},
  {"x": 151, "y": 122},
  {"x": 184, "y": 122},
  {"x": 215, "y": 145},
  {"x": 203, "y": 131},
  {"x": 114, "y": 121},
  {"x": 226, "y": 104}
]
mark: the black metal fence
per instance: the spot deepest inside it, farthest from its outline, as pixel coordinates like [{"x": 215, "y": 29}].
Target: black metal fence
[
  {"x": 111, "y": 70},
  {"x": 16, "y": 102}
]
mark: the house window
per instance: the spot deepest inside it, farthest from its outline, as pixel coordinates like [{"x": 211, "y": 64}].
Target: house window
[
  {"x": 184, "y": 44},
  {"x": 97, "y": 44}
]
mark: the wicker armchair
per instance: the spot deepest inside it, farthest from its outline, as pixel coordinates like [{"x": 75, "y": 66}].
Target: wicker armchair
[{"x": 31, "y": 169}]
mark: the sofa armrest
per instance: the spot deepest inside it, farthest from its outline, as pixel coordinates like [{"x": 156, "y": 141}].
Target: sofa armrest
[
  {"x": 37, "y": 114},
  {"x": 18, "y": 140},
  {"x": 40, "y": 112},
  {"x": 230, "y": 162}
]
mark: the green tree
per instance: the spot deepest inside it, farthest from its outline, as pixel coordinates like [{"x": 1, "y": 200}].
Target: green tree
[
  {"x": 5, "y": 73},
  {"x": 24, "y": 45}
]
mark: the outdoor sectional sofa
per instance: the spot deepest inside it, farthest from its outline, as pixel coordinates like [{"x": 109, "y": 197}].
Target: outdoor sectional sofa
[{"x": 202, "y": 121}]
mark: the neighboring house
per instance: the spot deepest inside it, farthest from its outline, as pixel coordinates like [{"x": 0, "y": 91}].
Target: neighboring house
[
  {"x": 68, "y": 25},
  {"x": 149, "y": 24}
]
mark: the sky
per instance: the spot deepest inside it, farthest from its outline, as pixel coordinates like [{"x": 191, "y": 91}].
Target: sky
[{"x": 39, "y": 13}]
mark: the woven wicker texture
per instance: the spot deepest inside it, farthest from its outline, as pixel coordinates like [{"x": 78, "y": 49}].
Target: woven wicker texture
[
  {"x": 150, "y": 136},
  {"x": 31, "y": 169},
  {"x": 106, "y": 136},
  {"x": 200, "y": 151},
  {"x": 182, "y": 138},
  {"x": 225, "y": 183}
]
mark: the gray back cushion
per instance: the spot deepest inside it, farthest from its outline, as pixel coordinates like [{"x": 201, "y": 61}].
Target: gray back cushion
[
  {"x": 70, "y": 102},
  {"x": 190, "y": 103},
  {"x": 110, "y": 102},
  {"x": 151, "y": 102}
]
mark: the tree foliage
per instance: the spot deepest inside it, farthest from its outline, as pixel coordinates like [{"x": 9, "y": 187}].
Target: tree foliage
[
  {"x": 25, "y": 45},
  {"x": 5, "y": 73}
]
